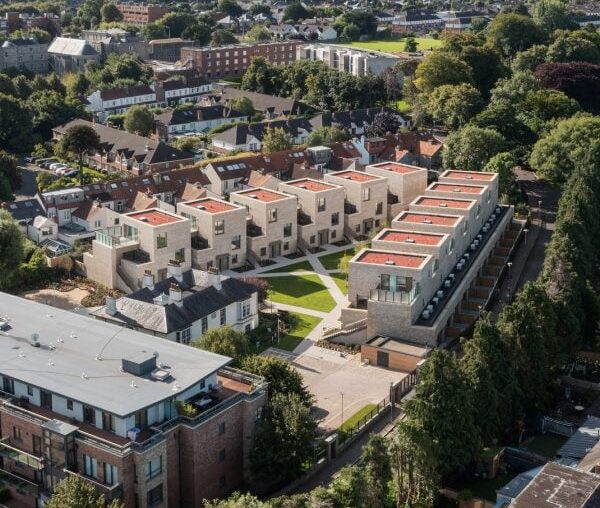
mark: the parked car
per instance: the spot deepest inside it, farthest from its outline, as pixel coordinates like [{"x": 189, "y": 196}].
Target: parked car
[
  {"x": 56, "y": 165},
  {"x": 44, "y": 163},
  {"x": 71, "y": 172},
  {"x": 30, "y": 160},
  {"x": 62, "y": 171}
]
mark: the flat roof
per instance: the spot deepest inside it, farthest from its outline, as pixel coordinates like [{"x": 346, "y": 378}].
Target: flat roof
[
  {"x": 154, "y": 217},
  {"x": 66, "y": 362},
  {"x": 396, "y": 167},
  {"x": 468, "y": 175},
  {"x": 311, "y": 185},
  {"x": 264, "y": 195},
  {"x": 399, "y": 346},
  {"x": 462, "y": 204},
  {"x": 402, "y": 260},
  {"x": 210, "y": 205},
  {"x": 428, "y": 218},
  {"x": 450, "y": 187},
  {"x": 397, "y": 236},
  {"x": 355, "y": 176}
]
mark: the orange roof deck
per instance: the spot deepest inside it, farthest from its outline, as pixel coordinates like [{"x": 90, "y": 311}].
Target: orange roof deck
[
  {"x": 396, "y": 236},
  {"x": 465, "y": 189},
  {"x": 469, "y": 175},
  {"x": 462, "y": 204},
  {"x": 212, "y": 205},
  {"x": 264, "y": 195},
  {"x": 392, "y": 259},
  {"x": 311, "y": 185},
  {"x": 396, "y": 167},
  {"x": 427, "y": 218},
  {"x": 355, "y": 176},
  {"x": 155, "y": 217}
]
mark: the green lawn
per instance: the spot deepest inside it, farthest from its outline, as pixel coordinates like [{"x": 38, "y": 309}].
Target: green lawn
[
  {"x": 302, "y": 290},
  {"x": 303, "y": 326},
  {"x": 397, "y": 45},
  {"x": 546, "y": 444},
  {"x": 340, "y": 281},
  {"x": 354, "y": 420},
  {"x": 332, "y": 261},
  {"x": 302, "y": 266}
]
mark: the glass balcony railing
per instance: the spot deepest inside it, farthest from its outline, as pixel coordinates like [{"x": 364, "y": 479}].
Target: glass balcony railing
[
  {"x": 11, "y": 452},
  {"x": 398, "y": 297},
  {"x": 20, "y": 484}
]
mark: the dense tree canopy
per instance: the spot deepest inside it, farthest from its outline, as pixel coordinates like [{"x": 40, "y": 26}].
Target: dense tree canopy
[
  {"x": 76, "y": 492},
  {"x": 578, "y": 80},
  {"x": 441, "y": 68},
  {"x": 471, "y": 147},
  {"x": 511, "y": 32},
  {"x": 224, "y": 341},
  {"x": 139, "y": 120}
]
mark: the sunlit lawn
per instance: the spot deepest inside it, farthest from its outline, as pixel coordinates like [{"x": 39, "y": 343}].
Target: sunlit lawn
[
  {"x": 302, "y": 266},
  {"x": 356, "y": 418},
  {"x": 301, "y": 290},
  {"x": 302, "y": 327},
  {"x": 341, "y": 281},
  {"x": 398, "y": 45},
  {"x": 332, "y": 261}
]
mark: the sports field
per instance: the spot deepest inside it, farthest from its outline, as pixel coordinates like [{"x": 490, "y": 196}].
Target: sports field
[{"x": 397, "y": 45}]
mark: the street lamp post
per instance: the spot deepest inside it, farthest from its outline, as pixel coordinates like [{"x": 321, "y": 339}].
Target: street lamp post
[
  {"x": 342, "y": 426},
  {"x": 525, "y": 231}
]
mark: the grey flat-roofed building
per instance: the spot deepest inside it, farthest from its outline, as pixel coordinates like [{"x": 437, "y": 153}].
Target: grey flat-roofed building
[{"x": 80, "y": 358}]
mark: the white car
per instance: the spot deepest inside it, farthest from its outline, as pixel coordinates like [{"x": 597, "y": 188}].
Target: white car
[
  {"x": 71, "y": 172},
  {"x": 62, "y": 171},
  {"x": 57, "y": 165}
]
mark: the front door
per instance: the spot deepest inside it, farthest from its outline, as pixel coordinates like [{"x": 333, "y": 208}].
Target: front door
[
  {"x": 383, "y": 359},
  {"x": 223, "y": 262},
  {"x": 324, "y": 237},
  {"x": 367, "y": 226},
  {"x": 275, "y": 249}
]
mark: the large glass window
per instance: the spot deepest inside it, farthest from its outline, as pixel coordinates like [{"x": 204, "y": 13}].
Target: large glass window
[
  {"x": 153, "y": 467},
  {"x": 155, "y": 495},
  {"x": 111, "y": 475},
  {"x": 90, "y": 466}
]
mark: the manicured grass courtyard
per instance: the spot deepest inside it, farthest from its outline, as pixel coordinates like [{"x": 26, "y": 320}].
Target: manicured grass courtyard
[
  {"x": 302, "y": 266},
  {"x": 398, "y": 45},
  {"x": 546, "y": 444},
  {"x": 332, "y": 261},
  {"x": 301, "y": 290},
  {"x": 302, "y": 327},
  {"x": 341, "y": 281},
  {"x": 357, "y": 417}
]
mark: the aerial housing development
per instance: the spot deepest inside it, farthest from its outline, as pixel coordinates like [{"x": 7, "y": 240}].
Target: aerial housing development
[{"x": 268, "y": 254}]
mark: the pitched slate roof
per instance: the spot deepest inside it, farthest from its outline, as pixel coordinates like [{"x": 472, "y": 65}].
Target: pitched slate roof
[
  {"x": 140, "y": 310},
  {"x": 71, "y": 47},
  {"x": 276, "y": 106},
  {"x": 25, "y": 210},
  {"x": 197, "y": 114},
  {"x": 112, "y": 94},
  {"x": 583, "y": 440}
]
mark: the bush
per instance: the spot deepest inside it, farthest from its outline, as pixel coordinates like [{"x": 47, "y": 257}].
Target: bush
[
  {"x": 185, "y": 409},
  {"x": 4, "y": 494},
  {"x": 98, "y": 296}
]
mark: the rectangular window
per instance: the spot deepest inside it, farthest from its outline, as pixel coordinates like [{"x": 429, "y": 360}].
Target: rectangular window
[
  {"x": 335, "y": 218},
  {"x": 37, "y": 445},
  {"x": 111, "y": 476},
  {"x": 223, "y": 316},
  {"x": 263, "y": 251},
  {"x": 69, "y": 404},
  {"x": 272, "y": 214},
  {"x": 246, "y": 309},
  {"x": 155, "y": 495},
  {"x": 222, "y": 455},
  {"x": 312, "y": 239},
  {"x": 153, "y": 467},
  {"x": 8, "y": 385},
  {"x": 17, "y": 433},
  {"x": 90, "y": 466},
  {"x": 108, "y": 421},
  {"x": 234, "y": 259},
  {"x": 141, "y": 419},
  {"x": 236, "y": 242},
  {"x": 29, "y": 390},
  {"x": 379, "y": 208},
  {"x": 161, "y": 241},
  {"x": 219, "y": 227},
  {"x": 89, "y": 415},
  {"x": 366, "y": 194},
  {"x": 204, "y": 324},
  {"x": 221, "y": 428},
  {"x": 385, "y": 282},
  {"x": 287, "y": 230},
  {"x": 322, "y": 205},
  {"x": 434, "y": 267},
  {"x": 184, "y": 336},
  {"x": 45, "y": 399}
]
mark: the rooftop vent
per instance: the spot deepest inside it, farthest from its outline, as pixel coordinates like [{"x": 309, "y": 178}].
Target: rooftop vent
[
  {"x": 35, "y": 340},
  {"x": 409, "y": 240},
  {"x": 456, "y": 189},
  {"x": 302, "y": 186},
  {"x": 444, "y": 205},
  {"x": 4, "y": 324},
  {"x": 389, "y": 262},
  {"x": 469, "y": 177},
  {"x": 428, "y": 221},
  {"x": 160, "y": 375},
  {"x": 253, "y": 196},
  {"x": 139, "y": 364}
]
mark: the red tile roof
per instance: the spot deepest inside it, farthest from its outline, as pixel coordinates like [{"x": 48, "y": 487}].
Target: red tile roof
[
  {"x": 212, "y": 205},
  {"x": 263, "y": 195},
  {"x": 411, "y": 237},
  {"x": 445, "y": 203},
  {"x": 391, "y": 258},
  {"x": 355, "y": 176},
  {"x": 154, "y": 217},
  {"x": 465, "y": 189},
  {"x": 428, "y": 218},
  {"x": 311, "y": 185},
  {"x": 469, "y": 175}
]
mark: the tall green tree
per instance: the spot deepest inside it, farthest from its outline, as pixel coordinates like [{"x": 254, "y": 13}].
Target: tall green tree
[
  {"x": 551, "y": 15},
  {"x": 504, "y": 163},
  {"x": 511, "y": 33},
  {"x": 9, "y": 170},
  {"x": 242, "y": 105},
  {"x": 224, "y": 341},
  {"x": 454, "y": 105},
  {"x": 12, "y": 244},
  {"x": 377, "y": 464},
  {"x": 441, "y": 68},
  {"x": 110, "y": 13},
  {"x": 139, "y": 120},
  {"x": 276, "y": 140},
  {"x": 471, "y": 148},
  {"x": 295, "y": 11},
  {"x": 15, "y": 124},
  {"x": 79, "y": 141},
  {"x": 231, "y": 7},
  {"x": 75, "y": 492}
]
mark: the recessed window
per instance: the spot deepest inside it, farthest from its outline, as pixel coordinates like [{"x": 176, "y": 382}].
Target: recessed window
[
  {"x": 69, "y": 404},
  {"x": 155, "y": 495},
  {"x": 219, "y": 227},
  {"x": 153, "y": 467}
]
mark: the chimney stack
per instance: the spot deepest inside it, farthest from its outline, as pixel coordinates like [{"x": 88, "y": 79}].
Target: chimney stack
[
  {"x": 111, "y": 306},
  {"x": 174, "y": 270},
  {"x": 175, "y": 295},
  {"x": 148, "y": 280},
  {"x": 214, "y": 279}
]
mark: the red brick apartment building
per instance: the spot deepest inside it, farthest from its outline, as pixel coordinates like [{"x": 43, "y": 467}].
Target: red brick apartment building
[
  {"x": 233, "y": 60},
  {"x": 141, "y": 14},
  {"x": 82, "y": 397}
]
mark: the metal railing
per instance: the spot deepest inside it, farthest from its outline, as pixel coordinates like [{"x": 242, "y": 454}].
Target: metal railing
[
  {"x": 137, "y": 256},
  {"x": 109, "y": 492},
  {"x": 397, "y": 297},
  {"x": 8, "y": 450},
  {"x": 349, "y": 208},
  {"x": 19, "y": 483}
]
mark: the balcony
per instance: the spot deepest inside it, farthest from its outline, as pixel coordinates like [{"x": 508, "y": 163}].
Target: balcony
[
  {"x": 253, "y": 231},
  {"x": 110, "y": 492},
  {"x": 304, "y": 219},
  {"x": 19, "y": 483},
  {"x": 199, "y": 243},
  {"x": 10, "y": 451},
  {"x": 349, "y": 208},
  {"x": 137, "y": 256},
  {"x": 392, "y": 199},
  {"x": 113, "y": 236},
  {"x": 397, "y": 297}
]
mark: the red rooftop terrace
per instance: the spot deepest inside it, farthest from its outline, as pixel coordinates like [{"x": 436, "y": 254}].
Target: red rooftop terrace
[
  {"x": 462, "y": 204},
  {"x": 355, "y": 176},
  {"x": 311, "y": 185},
  {"x": 396, "y": 167},
  {"x": 469, "y": 175},
  {"x": 155, "y": 217},
  {"x": 465, "y": 189},
  {"x": 429, "y": 218},
  {"x": 391, "y": 259},
  {"x": 396, "y": 236},
  {"x": 212, "y": 205},
  {"x": 263, "y": 195}
]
